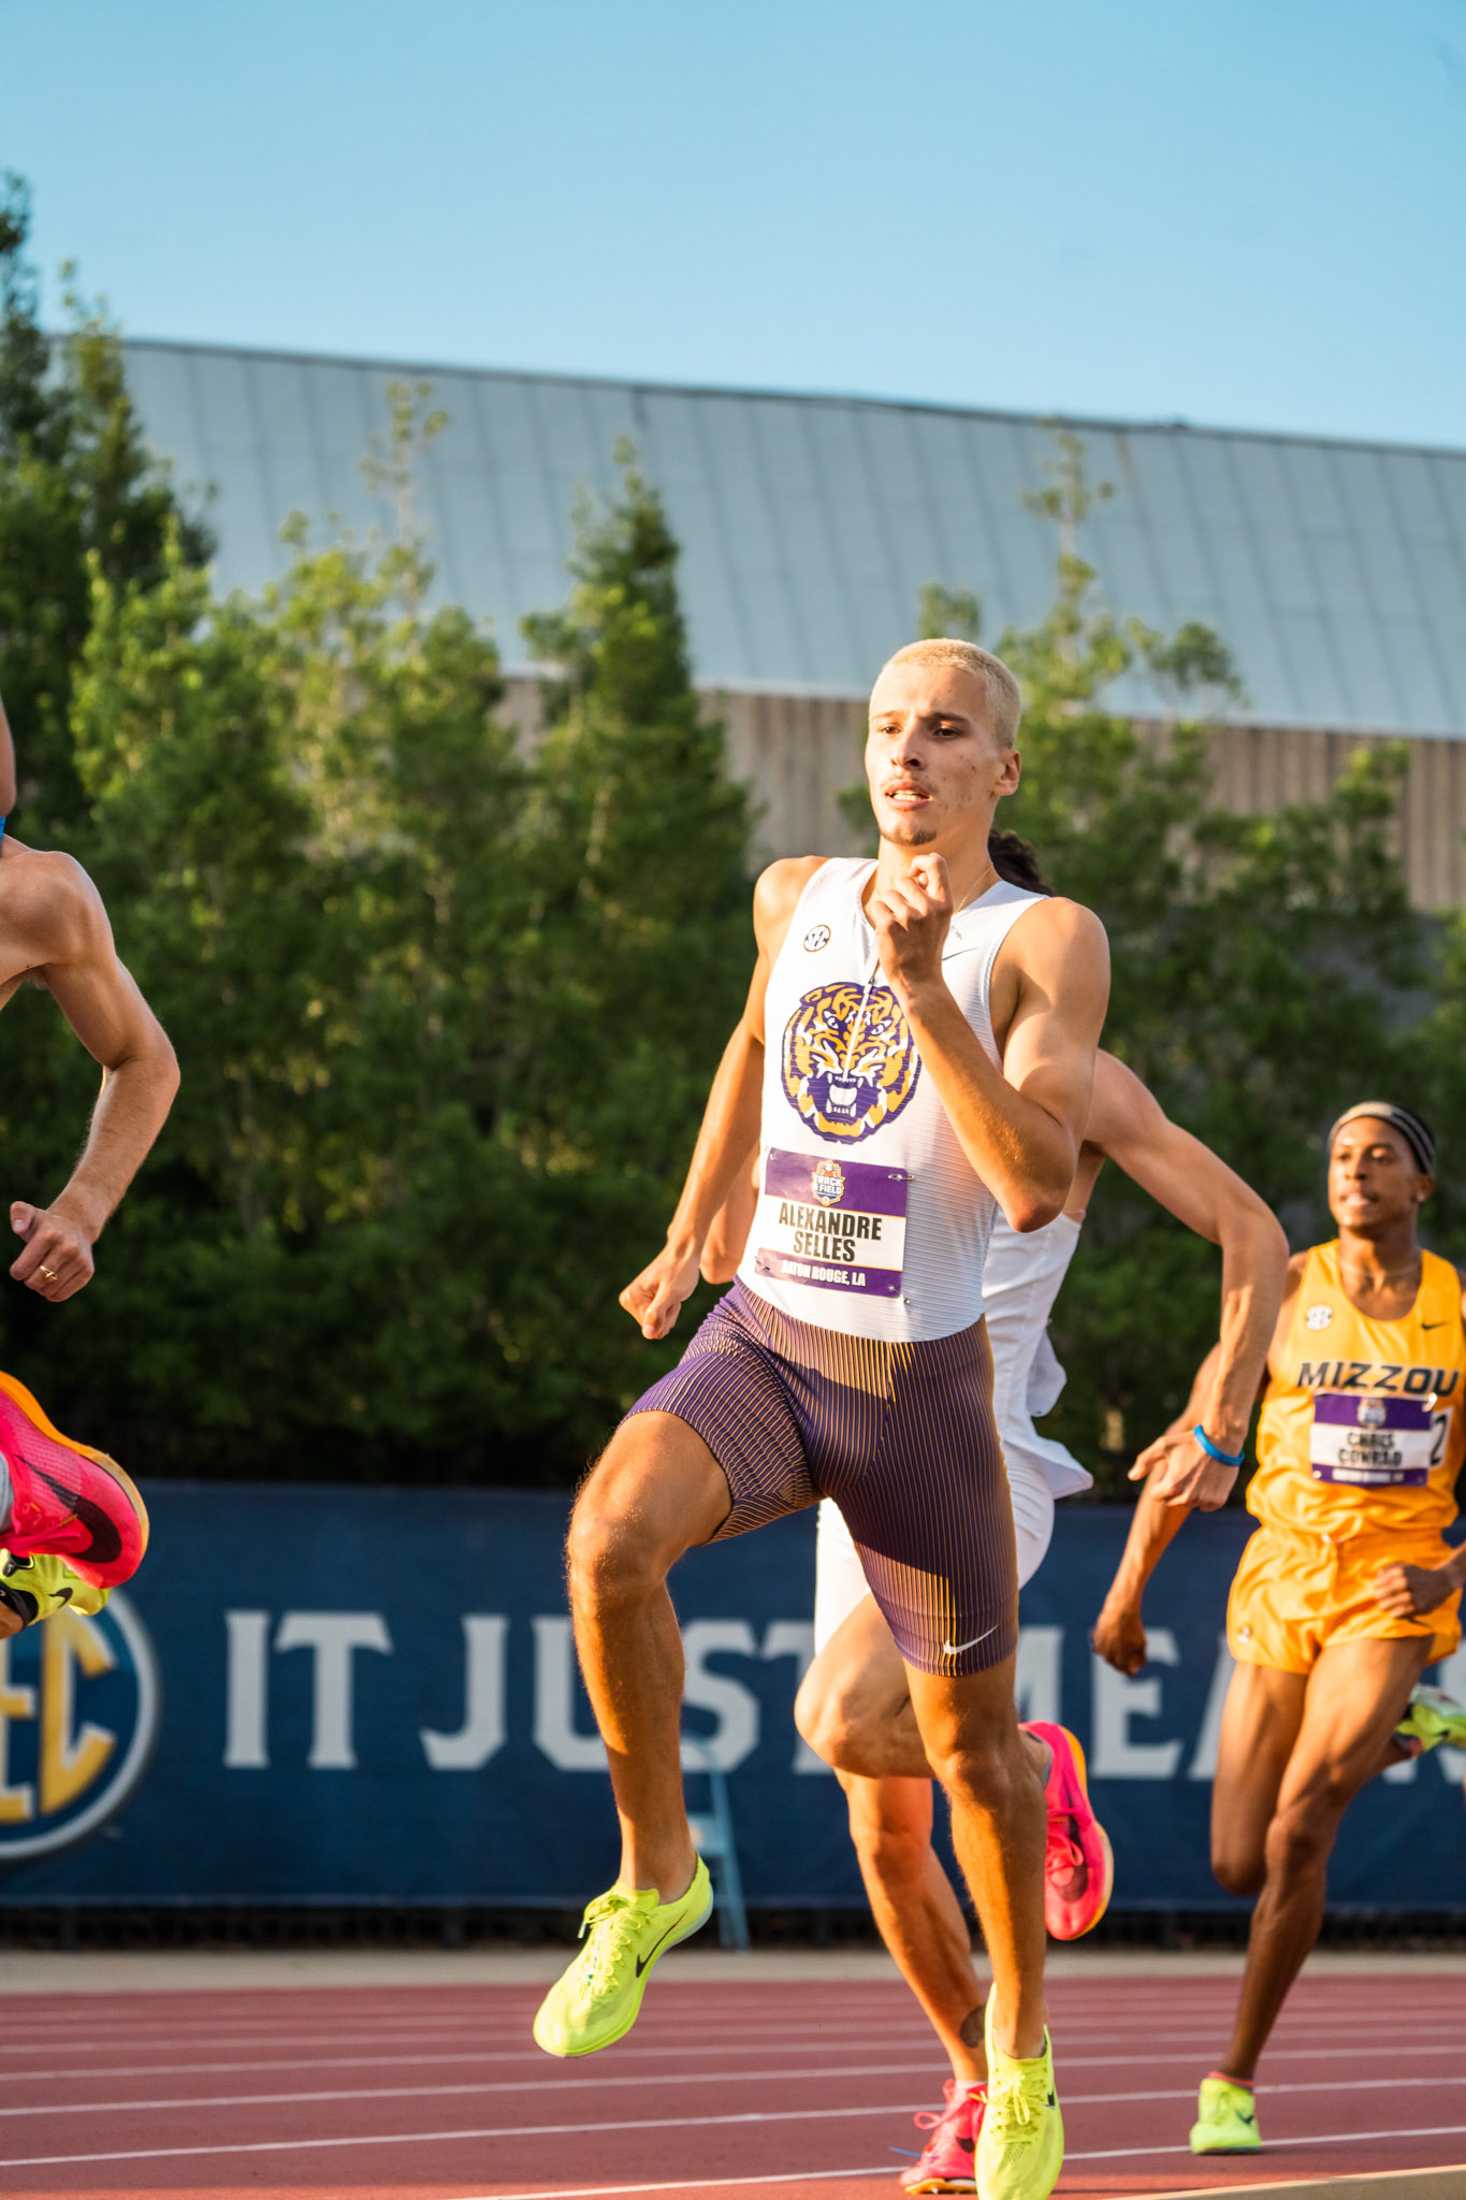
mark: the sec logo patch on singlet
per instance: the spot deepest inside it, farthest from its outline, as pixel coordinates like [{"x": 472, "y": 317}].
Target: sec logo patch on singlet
[{"x": 850, "y": 1063}]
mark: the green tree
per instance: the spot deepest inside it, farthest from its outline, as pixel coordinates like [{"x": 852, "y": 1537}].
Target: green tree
[
  {"x": 76, "y": 484},
  {"x": 637, "y": 950},
  {"x": 303, "y": 813}
]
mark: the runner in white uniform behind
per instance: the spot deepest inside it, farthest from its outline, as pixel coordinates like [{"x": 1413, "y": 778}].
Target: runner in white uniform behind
[
  {"x": 854, "y": 1708},
  {"x": 1021, "y": 1279}
]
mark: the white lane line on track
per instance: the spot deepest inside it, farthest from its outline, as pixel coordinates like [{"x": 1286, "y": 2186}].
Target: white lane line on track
[
  {"x": 784, "y": 2177},
  {"x": 111, "y": 2042},
  {"x": 1067, "y": 2036},
  {"x": 39, "y": 2042},
  {"x": 428, "y": 2007},
  {"x": 752, "y": 2117},
  {"x": 558, "y": 2077},
  {"x": 259, "y": 2006},
  {"x": 1394, "y": 2042},
  {"x": 883, "y": 2169},
  {"x": 740, "y": 2116},
  {"x": 488, "y": 2001}
]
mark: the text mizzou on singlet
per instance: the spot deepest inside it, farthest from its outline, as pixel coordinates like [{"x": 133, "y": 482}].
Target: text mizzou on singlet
[
  {"x": 1363, "y": 1431},
  {"x": 871, "y": 1219}
]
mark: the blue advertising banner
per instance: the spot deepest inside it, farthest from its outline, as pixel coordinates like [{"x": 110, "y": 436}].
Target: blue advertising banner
[{"x": 344, "y": 1696}]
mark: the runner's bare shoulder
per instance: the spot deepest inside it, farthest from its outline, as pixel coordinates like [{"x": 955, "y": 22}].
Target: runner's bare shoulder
[
  {"x": 1056, "y": 953},
  {"x": 1056, "y": 927},
  {"x": 48, "y": 902},
  {"x": 776, "y": 894}
]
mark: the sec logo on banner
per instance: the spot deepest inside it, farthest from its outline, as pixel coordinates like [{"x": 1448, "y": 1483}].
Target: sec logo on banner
[{"x": 79, "y": 1712}]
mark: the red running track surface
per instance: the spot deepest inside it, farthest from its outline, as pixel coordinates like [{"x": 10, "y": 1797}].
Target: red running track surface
[{"x": 801, "y": 2091}]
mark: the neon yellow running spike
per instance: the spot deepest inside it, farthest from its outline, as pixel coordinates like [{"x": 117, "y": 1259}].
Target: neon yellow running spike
[
  {"x": 38, "y": 1587},
  {"x": 1431, "y": 1717},
  {"x": 596, "y": 2001},
  {"x": 1020, "y": 2149},
  {"x": 1226, "y": 2119}
]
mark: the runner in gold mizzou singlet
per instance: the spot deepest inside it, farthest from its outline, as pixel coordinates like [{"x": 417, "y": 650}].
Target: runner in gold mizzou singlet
[
  {"x": 1348, "y": 1590},
  {"x": 1359, "y": 1445}
]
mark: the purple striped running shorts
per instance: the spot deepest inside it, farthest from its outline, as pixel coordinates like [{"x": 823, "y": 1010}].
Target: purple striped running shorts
[{"x": 901, "y": 1436}]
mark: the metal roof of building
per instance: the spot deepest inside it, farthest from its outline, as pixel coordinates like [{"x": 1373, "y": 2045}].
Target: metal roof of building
[{"x": 1335, "y": 572}]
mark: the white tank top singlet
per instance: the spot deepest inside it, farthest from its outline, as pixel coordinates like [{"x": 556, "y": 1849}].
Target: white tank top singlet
[
  {"x": 1020, "y": 1283},
  {"x": 871, "y": 1220}
]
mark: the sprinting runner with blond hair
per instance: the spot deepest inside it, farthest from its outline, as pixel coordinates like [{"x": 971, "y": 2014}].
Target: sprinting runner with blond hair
[{"x": 917, "y": 1050}]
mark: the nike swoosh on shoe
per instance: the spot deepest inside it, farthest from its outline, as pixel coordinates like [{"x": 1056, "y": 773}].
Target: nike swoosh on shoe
[
  {"x": 643, "y": 1961},
  {"x": 106, "y": 1537}
]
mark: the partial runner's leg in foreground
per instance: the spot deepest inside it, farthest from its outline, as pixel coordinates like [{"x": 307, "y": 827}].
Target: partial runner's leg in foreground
[
  {"x": 969, "y": 1729},
  {"x": 917, "y": 1912},
  {"x": 656, "y": 1492},
  {"x": 970, "y": 1732},
  {"x": 925, "y": 1930}
]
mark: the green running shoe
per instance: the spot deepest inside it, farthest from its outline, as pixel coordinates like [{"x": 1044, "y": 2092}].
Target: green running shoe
[
  {"x": 1020, "y": 2149},
  {"x": 38, "y": 1587},
  {"x": 1226, "y": 2119},
  {"x": 1431, "y": 1717},
  {"x": 596, "y": 2001}
]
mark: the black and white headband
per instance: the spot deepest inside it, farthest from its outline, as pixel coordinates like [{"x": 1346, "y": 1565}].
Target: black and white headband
[{"x": 1416, "y": 1133}]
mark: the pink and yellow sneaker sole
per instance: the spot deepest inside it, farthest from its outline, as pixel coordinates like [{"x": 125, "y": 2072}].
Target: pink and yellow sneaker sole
[
  {"x": 67, "y": 1501},
  {"x": 1077, "y": 1886}
]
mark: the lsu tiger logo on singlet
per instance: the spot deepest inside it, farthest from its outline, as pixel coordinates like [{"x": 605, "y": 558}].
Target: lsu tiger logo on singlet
[
  {"x": 1367, "y": 1437},
  {"x": 846, "y": 1073}
]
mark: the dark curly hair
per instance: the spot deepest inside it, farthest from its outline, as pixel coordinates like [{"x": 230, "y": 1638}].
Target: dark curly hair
[{"x": 1015, "y": 861}]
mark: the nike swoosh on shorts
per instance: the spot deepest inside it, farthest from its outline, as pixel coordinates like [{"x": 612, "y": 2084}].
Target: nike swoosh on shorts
[{"x": 955, "y": 1649}]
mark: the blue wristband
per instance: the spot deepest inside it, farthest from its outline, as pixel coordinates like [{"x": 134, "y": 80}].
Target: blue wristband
[{"x": 1222, "y": 1458}]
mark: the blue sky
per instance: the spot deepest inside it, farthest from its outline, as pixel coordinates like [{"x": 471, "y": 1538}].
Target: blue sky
[{"x": 1249, "y": 214}]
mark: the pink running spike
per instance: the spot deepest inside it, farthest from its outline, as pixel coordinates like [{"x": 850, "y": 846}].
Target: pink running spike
[
  {"x": 67, "y": 1501},
  {"x": 1079, "y": 1864},
  {"x": 949, "y": 2159}
]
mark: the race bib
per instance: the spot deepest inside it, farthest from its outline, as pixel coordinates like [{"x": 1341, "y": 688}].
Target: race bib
[
  {"x": 836, "y": 1225},
  {"x": 1374, "y": 1441}
]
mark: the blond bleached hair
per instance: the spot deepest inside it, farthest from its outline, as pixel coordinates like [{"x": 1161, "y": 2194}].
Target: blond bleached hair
[{"x": 1004, "y": 699}]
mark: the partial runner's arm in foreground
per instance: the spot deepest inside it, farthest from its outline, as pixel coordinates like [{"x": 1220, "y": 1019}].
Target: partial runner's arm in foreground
[
  {"x": 730, "y": 1123},
  {"x": 77, "y": 961},
  {"x": 1119, "y": 1633},
  {"x": 1192, "y": 1183},
  {"x": 1020, "y": 1126}
]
